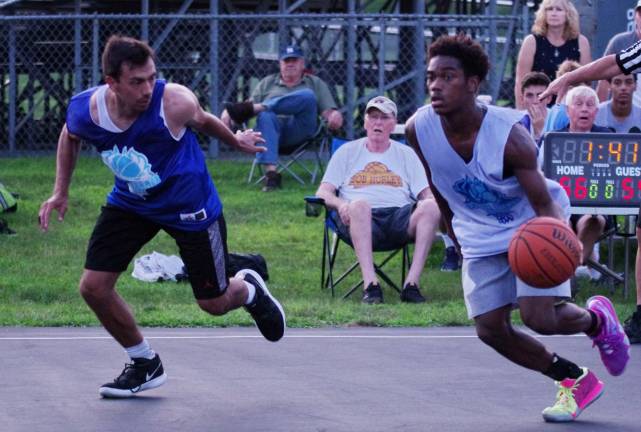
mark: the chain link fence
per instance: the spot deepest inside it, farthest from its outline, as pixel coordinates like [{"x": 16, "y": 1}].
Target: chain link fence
[{"x": 46, "y": 59}]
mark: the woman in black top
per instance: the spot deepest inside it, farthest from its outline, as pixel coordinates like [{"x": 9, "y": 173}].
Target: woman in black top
[{"x": 555, "y": 37}]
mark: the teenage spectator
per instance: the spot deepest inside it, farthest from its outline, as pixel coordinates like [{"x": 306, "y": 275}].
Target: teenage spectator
[
  {"x": 555, "y": 38},
  {"x": 533, "y": 84},
  {"x": 619, "y": 42},
  {"x": 620, "y": 113},
  {"x": 383, "y": 199},
  {"x": 286, "y": 105}
]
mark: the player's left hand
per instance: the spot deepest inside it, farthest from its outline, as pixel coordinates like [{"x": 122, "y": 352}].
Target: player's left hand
[{"x": 248, "y": 139}]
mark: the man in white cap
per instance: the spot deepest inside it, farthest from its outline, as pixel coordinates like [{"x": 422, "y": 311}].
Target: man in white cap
[
  {"x": 619, "y": 42},
  {"x": 383, "y": 199}
]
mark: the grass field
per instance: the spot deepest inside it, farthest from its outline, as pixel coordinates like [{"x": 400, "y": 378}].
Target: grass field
[{"x": 40, "y": 271}]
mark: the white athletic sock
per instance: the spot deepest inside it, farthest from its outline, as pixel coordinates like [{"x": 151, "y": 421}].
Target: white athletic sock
[
  {"x": 447, "y": 240},
  {"x": 251, "y": 292},
  {"x": 142, "y": 350}
]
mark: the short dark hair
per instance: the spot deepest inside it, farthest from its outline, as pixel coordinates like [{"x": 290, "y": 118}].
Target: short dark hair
[
  {"x": 628, "y": 74},
  {"x": 534, "y": 78},
  {"x": 469, "y": 52},
  {"x": 122, "y": 49}
]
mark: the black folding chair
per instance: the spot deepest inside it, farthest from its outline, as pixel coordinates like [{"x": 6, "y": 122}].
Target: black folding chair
[
  {"x": 331, "y": 239},
  {"x": 308, "y": 155}
]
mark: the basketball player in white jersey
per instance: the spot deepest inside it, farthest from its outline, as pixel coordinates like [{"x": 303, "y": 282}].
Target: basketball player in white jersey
[{"x": 482, "y": 168}]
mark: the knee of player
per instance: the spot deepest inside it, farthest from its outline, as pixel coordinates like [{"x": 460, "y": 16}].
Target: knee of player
[
  {"x": 539, "y": 323},
  {"x": 90, "y": 290},
  {"x": 216, "y": 306},
  {"x": 492, "y": 336}
]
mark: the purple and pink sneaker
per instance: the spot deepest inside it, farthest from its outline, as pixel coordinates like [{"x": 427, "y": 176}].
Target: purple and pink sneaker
[{"x": 611, "y": 340}]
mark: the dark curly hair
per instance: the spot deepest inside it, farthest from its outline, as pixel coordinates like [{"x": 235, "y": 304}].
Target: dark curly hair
[{"x": 469, "y": 52}]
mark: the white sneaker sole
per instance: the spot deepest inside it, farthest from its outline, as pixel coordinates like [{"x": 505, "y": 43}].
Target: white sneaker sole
[
  {"x": 263, "y": 286},
  {"x": 110, "y": 392}
]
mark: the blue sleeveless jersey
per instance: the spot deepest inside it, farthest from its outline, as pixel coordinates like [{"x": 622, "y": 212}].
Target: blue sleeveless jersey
[{"x": 156, "y": 176}]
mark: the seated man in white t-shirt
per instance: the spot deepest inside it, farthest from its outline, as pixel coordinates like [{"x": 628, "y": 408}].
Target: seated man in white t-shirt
[{"x": 383, "y": 199}]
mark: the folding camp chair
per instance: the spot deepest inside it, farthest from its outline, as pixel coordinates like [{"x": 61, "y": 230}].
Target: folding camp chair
[
  {"x": 314, "y": 206},
  {"x": 308, "y": 155}
]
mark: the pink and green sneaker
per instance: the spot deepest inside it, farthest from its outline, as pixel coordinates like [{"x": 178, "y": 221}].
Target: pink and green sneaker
[
  {"x": 611, "y": 340},
  {"x": 573, "y": 396}
]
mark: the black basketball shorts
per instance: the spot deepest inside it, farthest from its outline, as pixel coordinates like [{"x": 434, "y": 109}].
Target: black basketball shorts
[{"x": 119, "y": 235}]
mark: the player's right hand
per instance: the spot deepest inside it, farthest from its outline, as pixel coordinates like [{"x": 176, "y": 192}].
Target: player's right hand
[{"x": 55, "y": 202}]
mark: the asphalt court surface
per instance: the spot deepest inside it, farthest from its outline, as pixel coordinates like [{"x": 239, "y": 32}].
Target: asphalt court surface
[{"x": 321, "y": 380}]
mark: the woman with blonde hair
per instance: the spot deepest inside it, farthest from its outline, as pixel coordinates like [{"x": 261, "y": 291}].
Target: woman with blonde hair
[{"x": 555, "y": 38}]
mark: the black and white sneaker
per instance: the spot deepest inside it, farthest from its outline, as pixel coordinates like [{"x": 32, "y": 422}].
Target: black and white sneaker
[
  {"x": 142, "y": 374},
  {"x": 265, "y": 309}
]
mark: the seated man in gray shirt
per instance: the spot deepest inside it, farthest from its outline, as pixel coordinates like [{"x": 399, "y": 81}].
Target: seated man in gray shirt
[{"x": 620, "y": 113}]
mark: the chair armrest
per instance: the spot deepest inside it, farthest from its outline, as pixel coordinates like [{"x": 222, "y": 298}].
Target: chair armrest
[{"x": 313, "y": 205}]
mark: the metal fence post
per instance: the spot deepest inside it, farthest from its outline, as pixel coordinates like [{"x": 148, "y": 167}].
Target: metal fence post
[
  {"x": 13, "y": 83},
  {"x": 350, "y": 77},
  {"x": 77, "y": 58},
  {"x": 144, "y": 27},
  {"x": 214, "y": 27},
  {"x": 419, "y": 56},
  {"x": 492, "y": 50},
  {"x": 95, "y": 55}
]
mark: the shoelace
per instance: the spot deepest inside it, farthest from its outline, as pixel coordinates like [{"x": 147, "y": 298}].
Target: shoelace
[
  {"x": 128, "y": 366},
  {"x": 564, "y": 397}
]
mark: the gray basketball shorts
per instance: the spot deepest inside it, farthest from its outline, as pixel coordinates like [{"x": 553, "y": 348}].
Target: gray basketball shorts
[{"x": 488, "y": 284}]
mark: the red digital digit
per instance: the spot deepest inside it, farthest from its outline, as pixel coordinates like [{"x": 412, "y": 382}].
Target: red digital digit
[
  {"x": 628, "y": 190},
  {"x": 565, "y": 184},
  {"x": 580, "y": 191}
]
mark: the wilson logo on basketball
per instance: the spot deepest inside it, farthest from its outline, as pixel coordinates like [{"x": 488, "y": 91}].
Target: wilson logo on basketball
[{"x": 562, "y": 235}]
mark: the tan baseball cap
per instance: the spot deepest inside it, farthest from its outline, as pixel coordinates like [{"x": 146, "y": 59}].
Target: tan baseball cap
[{"x": 383, "y": 104}]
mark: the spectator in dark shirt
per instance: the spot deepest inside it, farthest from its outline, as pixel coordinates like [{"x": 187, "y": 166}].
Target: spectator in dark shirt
[{"x": 555, "y": 38}]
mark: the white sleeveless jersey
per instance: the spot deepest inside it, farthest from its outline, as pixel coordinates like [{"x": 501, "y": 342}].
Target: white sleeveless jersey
[{"x": 486, "y": 208}]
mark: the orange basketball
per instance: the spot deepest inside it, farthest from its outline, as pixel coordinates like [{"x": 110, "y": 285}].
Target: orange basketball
[{"x": 544, "y": 252}]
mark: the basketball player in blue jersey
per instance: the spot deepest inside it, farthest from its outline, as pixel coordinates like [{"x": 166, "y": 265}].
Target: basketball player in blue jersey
[
  {"x": 482, "y": 168},
  {"x": 142, "y": 128}
]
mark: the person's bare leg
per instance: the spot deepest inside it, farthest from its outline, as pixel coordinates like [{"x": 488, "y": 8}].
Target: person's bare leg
[
  {"x": 424, "y": 222},
  {"x": 234, "y": 297},
  {"x": 541, "y": 315},
  {"x": 360, "y": 230},
  {"x": 495, "y": 329},
  {"x": 589, "y": 229},
  {"x": 98, "y": 290}
]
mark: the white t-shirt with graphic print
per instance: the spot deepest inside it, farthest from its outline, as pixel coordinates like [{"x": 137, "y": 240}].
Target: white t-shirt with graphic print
[{"x": 390, "y": 179}]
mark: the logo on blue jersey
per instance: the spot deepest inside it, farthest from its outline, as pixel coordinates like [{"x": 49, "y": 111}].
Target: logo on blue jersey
[
  {"x": 478, "y": 195},
  {"x": 132, "y": 167}
]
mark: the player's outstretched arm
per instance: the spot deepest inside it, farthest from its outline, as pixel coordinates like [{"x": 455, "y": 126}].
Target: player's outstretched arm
[
  {"x": 183, "y": 109},
  {"x": 520, "y": 161},
  {"x": 603, "y": 68},
  {"x": 66, "y": 158}
]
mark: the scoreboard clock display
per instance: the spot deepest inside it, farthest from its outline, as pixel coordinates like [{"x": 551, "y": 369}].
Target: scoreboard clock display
[{"x": 595, "y": 169}]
